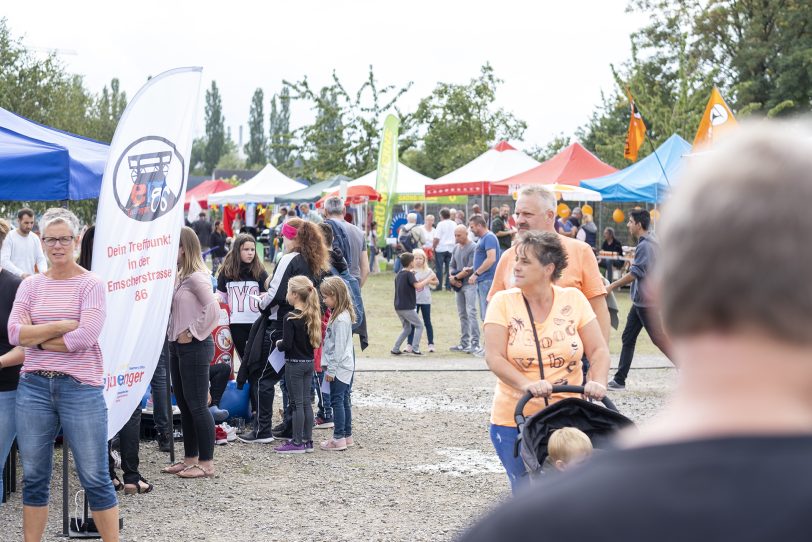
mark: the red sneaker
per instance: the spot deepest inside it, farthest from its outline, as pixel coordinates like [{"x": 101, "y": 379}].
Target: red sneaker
[{"x": 220, "y": 436}]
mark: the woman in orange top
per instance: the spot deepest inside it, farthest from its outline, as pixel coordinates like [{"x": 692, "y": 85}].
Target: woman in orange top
[{"x": 565, "y": 327}]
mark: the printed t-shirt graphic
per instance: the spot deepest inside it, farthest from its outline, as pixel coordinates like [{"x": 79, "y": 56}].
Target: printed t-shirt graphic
[
  {"x": 244, "y": 309},
  {"x": 561, "y": 345}
]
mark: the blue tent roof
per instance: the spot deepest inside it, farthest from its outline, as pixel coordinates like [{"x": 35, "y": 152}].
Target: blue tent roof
[
  {"x": 39, "y": 163},
  {"x": 644, "y": 180}
]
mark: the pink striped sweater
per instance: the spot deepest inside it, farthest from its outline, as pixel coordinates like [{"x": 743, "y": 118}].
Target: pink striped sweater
[{"x": 41, "y": 300}]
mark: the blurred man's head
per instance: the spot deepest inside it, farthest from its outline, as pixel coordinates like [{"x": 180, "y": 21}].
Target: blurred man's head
[
  {"x": 504, "y": 211},
  {"x": 723, "y": 271},
  {"x": 445, "y": 214},
  {"x": 411, "y": 218},
  {"x": 535, "y": 209},
  {"x": 429, "y": 221},
  {"x": 334, "y": 207},
  {"x": 304, "y": 208},
  {"x": 461, "y": 234}
]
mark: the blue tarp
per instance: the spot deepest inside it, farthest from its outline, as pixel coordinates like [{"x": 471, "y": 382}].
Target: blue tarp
[
  {"x": 644, "y": 181},
  {"x": 38, "y": 163}
]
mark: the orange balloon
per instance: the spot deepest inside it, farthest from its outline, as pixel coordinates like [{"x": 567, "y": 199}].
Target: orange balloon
[
  {"x": 587, "y": 209},
  {"x": 618, "y": 216},
  {"x": 655, "y": 215},
  {"x": 563, "y": 210}
]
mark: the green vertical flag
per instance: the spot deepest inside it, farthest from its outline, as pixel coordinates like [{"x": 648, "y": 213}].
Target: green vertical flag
[{"x": 387, "y": 176}]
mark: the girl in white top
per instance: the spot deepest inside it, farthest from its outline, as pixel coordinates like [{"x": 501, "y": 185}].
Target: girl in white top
[
  {"x": 338, "y": 360},
  {"x": 421, "y": 272}
]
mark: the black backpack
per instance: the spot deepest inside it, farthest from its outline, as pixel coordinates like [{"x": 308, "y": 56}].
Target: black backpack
[{"x": 340, "y": 240}]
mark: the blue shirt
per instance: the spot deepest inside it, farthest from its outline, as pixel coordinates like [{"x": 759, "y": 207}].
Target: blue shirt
[
  {"x": 644, "y": 257},
  {"x": 487, "y": 242}
]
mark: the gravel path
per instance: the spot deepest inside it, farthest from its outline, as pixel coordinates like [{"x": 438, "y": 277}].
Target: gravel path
[{"x": 423, "y": 469}]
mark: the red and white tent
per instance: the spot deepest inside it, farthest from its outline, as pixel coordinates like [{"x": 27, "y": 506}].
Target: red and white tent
[
  {"x": 201, "y": 192},
  {"x": 570, "y": 166},
  {"x": 478, "y": 176}
]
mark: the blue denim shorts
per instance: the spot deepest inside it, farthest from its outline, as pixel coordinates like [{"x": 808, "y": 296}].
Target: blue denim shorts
[{"x": 45, "y": 404}]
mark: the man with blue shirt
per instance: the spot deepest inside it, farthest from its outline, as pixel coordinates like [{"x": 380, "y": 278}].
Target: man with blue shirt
[
  {"x": 642, "y": 314},
  {"x": 485, "y": 258}
]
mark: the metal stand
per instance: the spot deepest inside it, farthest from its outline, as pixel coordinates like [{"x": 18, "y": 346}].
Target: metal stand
[
  {"x": 168, "y": 398},
  {"x": 84, "y": 527}
]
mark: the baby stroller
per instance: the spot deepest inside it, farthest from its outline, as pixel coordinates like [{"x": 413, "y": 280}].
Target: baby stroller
[{"x": 598, "y": 422}]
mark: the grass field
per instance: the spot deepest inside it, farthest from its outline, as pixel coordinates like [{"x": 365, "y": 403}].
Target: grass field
[{"x": 384, "y": 326}]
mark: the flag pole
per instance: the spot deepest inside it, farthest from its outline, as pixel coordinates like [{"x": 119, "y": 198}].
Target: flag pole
[{"x": 654, "y": 152}]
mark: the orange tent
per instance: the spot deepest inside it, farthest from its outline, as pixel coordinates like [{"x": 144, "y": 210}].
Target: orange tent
[{"x": 570, "y": 166}]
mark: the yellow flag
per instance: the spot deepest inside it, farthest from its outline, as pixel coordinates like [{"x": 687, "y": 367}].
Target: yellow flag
[
  {"x": 718, "y": 119},
  {"x": 637, "y": 132}
]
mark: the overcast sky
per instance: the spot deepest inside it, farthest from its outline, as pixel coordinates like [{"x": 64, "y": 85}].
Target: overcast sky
[{"x": 553, "y": 56}]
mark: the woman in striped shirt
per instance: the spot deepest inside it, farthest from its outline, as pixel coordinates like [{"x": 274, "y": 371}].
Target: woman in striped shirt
[{"x": 58, "y": 316}]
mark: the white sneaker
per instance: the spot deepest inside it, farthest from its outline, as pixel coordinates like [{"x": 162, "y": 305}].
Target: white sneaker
[
  {"x": 231, "y": 432},
  {"x": 479, "y": 352}
]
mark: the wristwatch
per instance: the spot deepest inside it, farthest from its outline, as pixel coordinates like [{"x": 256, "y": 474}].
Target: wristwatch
[{"x": 476, "y": 273}]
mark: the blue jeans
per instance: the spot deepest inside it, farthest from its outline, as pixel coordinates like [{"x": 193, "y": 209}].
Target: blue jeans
[
  {"x": 325, "y": 408},
  {"x": 8, "y": 427},
  {"x": 342, "y": 409},
  {"x": 442, "y": 262},
  {"x": 504, "y": 440},
  {"x": 43, "y": 404},
  {"x": 160, "y": 400},
  {"x": 482, "y": 288},
  {"x": 424, "y": 308}
]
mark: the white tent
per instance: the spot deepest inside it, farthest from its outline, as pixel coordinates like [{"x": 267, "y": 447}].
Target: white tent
[
  {"x": 411, "y": 185},
  {"x": 261, "y": 188}
]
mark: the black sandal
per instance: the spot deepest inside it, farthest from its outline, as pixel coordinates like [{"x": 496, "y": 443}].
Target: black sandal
[
  {"x": 132, "y": 489},
  {"x": 117, "y": 485}
]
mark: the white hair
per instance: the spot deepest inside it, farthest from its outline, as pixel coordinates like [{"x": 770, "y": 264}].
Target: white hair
[
  {"x": 58, "y": 215},
  {"x": 334, "y": 206},
  {"x": 546, "y": 195},
  {"x": 411, "y": 217}
]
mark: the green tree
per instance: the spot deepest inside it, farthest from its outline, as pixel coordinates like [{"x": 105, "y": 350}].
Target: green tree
[
  {"x": 107, "y": 111},
  {"x": 198, "y": 156},
  {"x": 344, "y": 138},
  {"x": 280, "y": 137},
  {"x": 757, "y": 51},
  {"x": 255, "y": 149},
  {"x": 456, "y": 123},
  {"x": 215, "y": 129}
]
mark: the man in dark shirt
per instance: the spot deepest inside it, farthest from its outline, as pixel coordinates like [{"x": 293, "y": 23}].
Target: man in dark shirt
[
  {"x": 202, "y": 229},
  {"x": 643, "y": 313},
  {"x": 501, "y": 228},
  {"x": 729, "y": 458}
]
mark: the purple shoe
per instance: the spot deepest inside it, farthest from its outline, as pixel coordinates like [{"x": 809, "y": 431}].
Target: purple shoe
[{"x": 291, "y": 448}]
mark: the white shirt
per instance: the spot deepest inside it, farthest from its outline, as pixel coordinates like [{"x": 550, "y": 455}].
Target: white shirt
[
  {"x": 445, "y": 233},
  {"x": 21, "y": 252}
]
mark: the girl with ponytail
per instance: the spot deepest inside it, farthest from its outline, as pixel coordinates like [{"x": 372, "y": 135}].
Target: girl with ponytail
[{"x": 301, "y": 335}]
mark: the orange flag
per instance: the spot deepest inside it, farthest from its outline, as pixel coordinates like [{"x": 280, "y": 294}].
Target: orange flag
[
  {"x": 718, "y": 119},
  {"x": 637, "y": 132}
]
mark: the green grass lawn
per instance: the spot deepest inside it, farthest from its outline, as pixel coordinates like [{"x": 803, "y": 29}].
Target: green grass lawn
[{"x": 384, "y": 326}]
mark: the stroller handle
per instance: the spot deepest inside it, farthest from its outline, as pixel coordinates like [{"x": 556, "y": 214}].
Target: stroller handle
[{"x": 518, "y": 414}]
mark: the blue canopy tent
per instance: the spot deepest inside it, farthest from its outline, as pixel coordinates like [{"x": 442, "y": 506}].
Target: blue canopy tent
[
  {"x": 644, "y": 181},
  {"x": 39, "y": 163}
]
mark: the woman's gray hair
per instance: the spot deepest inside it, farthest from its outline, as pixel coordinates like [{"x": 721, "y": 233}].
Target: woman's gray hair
[
  {"x": 545, "y": 247},
  {"x": 723, "y": 268},
  {"x": 58, "y": 215}
]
